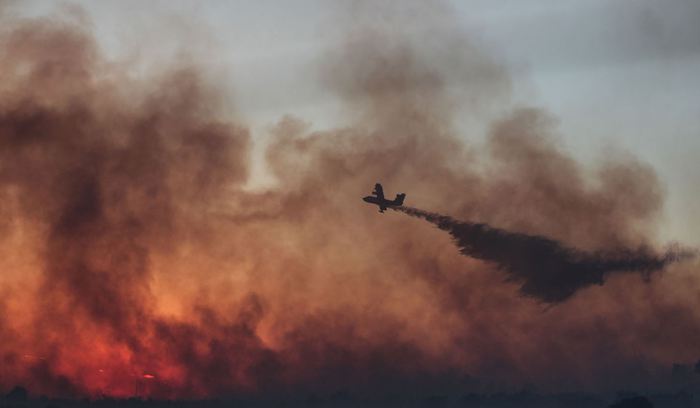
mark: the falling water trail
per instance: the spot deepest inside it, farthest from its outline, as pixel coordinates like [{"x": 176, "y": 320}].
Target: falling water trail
[{"x": 547, "y": 269}]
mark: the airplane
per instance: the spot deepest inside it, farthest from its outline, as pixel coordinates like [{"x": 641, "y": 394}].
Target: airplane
[{"x": 383, "y": 203}]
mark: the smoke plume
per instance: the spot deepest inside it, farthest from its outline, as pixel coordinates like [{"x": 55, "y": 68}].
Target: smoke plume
[{"x": 136, "y": 261}]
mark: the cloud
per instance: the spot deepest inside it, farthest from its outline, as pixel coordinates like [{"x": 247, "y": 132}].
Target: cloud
[{"x": 141, "y": 252}]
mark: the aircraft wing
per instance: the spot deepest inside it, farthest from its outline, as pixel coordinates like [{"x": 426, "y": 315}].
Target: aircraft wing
[{"x": 378, "y": 191}]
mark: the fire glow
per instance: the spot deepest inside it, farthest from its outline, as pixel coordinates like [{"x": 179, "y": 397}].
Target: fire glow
[{"x": 137, "y": 260}]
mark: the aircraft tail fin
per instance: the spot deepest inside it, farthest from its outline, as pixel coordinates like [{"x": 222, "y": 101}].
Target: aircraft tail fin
[{"x": 399, "y": 199}]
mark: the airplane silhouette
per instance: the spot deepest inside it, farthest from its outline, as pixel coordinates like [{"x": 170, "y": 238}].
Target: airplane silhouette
[{"x": 383, "y": 203}]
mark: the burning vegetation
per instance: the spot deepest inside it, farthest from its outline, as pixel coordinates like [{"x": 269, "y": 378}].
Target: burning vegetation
[{"x": 134, "y": 257}]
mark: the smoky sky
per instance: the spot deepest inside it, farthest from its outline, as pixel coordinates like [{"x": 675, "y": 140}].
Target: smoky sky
[
  {"x": 603, "y": 34},
  {"x": 136, "y": 258}
]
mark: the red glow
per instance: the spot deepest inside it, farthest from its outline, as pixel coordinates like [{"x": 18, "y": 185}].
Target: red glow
[{"x": 149, "y": 376}]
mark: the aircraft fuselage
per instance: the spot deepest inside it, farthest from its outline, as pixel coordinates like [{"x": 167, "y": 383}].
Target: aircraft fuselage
[
  {"x": 382, "y": 203},
  {"x": 379, "y": 200}
]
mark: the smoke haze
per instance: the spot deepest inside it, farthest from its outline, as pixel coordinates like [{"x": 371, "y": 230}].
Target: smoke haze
[{"x": 131, "y": 246}]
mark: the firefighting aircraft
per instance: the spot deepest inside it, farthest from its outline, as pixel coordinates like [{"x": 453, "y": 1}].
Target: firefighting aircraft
[{"x": 383, "y": 203}]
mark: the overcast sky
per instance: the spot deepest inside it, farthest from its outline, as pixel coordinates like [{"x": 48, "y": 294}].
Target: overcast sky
[{"x": 619, "y": 75}]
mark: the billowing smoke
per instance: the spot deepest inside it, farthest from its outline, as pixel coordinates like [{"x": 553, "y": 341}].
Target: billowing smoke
[
  {"x": 135, "y": 261},
  {"x": 546, "y": 269}
]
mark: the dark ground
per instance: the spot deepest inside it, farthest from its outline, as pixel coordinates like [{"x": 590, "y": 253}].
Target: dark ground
[{"x": 20, "y": 398}]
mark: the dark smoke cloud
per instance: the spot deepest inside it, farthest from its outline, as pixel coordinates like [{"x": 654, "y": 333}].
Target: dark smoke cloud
[
  {"x": 547, "y": 269},
  {"x": 103, "y": 182},
  {"x": 131, "y": 245}
]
